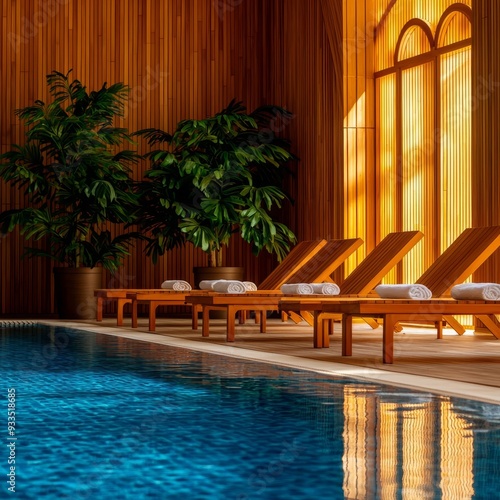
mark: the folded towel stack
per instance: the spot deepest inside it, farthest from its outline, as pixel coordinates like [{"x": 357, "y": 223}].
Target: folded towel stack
[
  {"x": 208, "y": 284},
  {"x": 250, "y": 286},
  {"x": 297, "y": 288},
  {"x": 326, "y": 288},
  {"x": 177, "y": 285},
  {"x": 408, "y": 291},
  {"x": 229, "y": 286},
  {"x": 476, "y": 291}
]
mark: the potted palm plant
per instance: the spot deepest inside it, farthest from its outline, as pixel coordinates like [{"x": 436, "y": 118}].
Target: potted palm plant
[
  {"x": 216, "y": 177},
  {"x": 77, "y": 185}
]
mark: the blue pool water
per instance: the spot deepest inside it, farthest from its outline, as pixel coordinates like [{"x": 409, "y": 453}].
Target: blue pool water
[{"x": 101, "y": 417}]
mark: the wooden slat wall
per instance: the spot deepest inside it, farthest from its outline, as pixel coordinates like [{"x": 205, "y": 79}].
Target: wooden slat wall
[
  {"x": 181, "y": 58},
  {"x": 304, "y": 58},
  {"x": 188, "y": 58},
  {"x": 423, "y": 146},
  {"x": 359, "y": 125},
  {"x": 418, "y": 165},
  {"x": 391, "y": 17},
  {"x": 310, "y": 86},
  {"x": 485, "y": 107}
]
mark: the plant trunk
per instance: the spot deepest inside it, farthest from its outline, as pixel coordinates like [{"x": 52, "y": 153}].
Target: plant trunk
[{"x": 215, "y": 258}]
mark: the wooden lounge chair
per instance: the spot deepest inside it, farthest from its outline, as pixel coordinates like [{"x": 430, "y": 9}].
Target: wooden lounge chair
[
  {"x": 363, "y": 279},
  {"x": 464, "y": 256},
  {"x": 330, "y": 255},
  {"x": 299, "y": 255},
  {"x": 393, "y": 311},
  {"x": 456, "y": 263}
]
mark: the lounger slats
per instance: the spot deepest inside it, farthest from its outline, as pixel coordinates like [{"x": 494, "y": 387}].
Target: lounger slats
[
  {"x": 464, "y": 256},
  {"x": 379, "y": 262},
  {"x": 298, "y": 256},
  {"x": 322, "y": 265}
]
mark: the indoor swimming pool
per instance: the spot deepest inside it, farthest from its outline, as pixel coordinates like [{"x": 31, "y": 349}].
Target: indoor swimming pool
[{"x": 97, "y": 416}]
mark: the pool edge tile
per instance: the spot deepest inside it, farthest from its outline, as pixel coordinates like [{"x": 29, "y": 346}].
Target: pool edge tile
[{"x": 443, "y": 387}]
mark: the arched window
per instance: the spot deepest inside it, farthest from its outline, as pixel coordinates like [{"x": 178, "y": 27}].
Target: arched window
[{"x": 424, "y": 136}]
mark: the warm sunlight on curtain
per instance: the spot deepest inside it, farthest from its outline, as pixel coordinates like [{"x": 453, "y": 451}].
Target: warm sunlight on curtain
[
  {"x": 408, "y": 439},
  {"x": 417, "y": 177},
  {"x": 387, "y": 174},
  {"x": 456, "y": 196},
  {"x": 424, "y": 127}
]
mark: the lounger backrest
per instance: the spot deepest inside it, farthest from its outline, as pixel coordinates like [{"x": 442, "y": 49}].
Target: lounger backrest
[
  {"x": 329, "y": 258},
  {"x": 297, "y": 257},
  {"x": 461, "y": 259},
  {"x": 368, "y": 274}
]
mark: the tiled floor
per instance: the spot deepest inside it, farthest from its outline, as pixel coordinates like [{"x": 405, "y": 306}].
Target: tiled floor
[{"x": 467, "y": 365}]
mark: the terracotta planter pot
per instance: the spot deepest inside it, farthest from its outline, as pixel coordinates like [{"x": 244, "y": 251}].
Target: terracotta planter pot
[
  {"x": 217, "y": 273},
  {"x": 74, "y": 291}
]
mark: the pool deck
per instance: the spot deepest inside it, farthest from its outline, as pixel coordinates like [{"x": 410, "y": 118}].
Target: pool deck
[{"x": 466, "y": 366}]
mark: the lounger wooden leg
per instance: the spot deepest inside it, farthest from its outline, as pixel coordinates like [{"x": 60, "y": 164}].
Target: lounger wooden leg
[
  {"x": 134, "y": 313},
  {"x": 388, "y": 338},
  {"x": 317, "y": 330},
  {"x": 205, "y": 318},
  {"x": 307, "y": 317},
  {"x": 372, "y": 322},
  {"x": 439, "y": 329},
  {"x": 98, "y": 313},
  {"x": 263, "y": 322},
  {"x": 194, "y": 316},
  {"x": 331, "y": 326},
  {"x": 152, "y": 316},
  {"x": 456, "y": 325},
  {"x": 491, "y": 323},
  {"x": 325, "y": 332},
  {"x": 295, "y": 317},
  {"x": 256, "y": 317},
  {"x": 241, "y": 317},
  {"x": 231, "y": 318},
  {"x": 284, "y": 316},
  {"x": 346, "y": 335},
  {"x": 119, "y": 310}
]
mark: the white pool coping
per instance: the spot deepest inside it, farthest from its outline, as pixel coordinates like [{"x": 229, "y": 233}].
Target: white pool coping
[{"x": 443, "y": 387}]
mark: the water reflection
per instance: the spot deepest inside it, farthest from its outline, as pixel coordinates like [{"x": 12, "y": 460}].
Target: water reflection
[
  {"x": 405, "y": 450},
  {"x": 365, "y": 440}
]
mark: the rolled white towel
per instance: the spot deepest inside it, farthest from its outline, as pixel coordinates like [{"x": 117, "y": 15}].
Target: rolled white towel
[
  {"x": 208, "y": 284},
  {"x": 297, "y": 288},
  {"x": 476, "y": 291},
  {"x": 250, "y": 286},
  {"x": 178, "y": 285},
  {"x": 229, "y": 286},
  {"x": 408, "y": 291},
  {"x": 326, "y": 288}
]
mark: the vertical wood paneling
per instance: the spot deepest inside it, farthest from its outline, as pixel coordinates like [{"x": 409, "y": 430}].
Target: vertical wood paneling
[
  {"x": 392, "y": 15},
  {"x": 485, "y": 105},
  {"x": 181, "y": 59},
  {"x": 188, "y": 58},
  {"x": 304, "y": 61},
  {"x": 417, "y": 165},
  {"x": 431, "y": 129},
  {"x": 359, "y": 125},
  {"x": 455, "y": 150}
]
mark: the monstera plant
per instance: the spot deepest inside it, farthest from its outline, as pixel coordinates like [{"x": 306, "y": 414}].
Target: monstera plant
[
  {"x": 74, "y": 175},
  {"x": 216, "y": 177}
]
